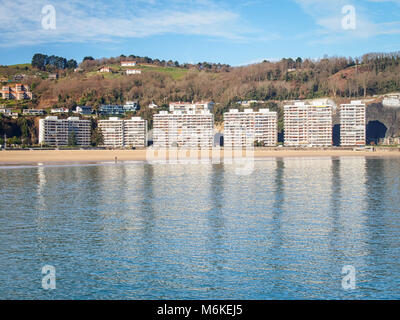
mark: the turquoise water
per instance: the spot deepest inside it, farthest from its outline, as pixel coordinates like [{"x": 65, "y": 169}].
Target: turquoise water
[{"x": 141, "y": 231}]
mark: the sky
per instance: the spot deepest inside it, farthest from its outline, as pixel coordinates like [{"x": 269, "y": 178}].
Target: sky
[{"x": 226, "y": 31}]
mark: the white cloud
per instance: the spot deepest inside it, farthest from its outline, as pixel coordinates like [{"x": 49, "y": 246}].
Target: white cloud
[{"x": 80, "y": 20}]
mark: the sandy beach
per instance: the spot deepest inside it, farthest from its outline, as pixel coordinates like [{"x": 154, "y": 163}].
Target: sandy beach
[{"x": 87, "y": 156}]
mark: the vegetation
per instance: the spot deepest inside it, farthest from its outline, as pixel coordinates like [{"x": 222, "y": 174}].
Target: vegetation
[
  {"x": 23, "y": 128},
  {"x": 96, "y": 138},
  {"x": 89, "y": 62},
  {"x": 72, "y": 142},
  {"x": 44, "y": 62},
  {"x": 287, "y": 79},
  {"x": 164, "y": 81}
]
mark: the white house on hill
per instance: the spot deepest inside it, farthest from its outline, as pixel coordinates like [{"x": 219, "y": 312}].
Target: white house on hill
[
  {"x": 128, "y": 63},
  {"x": 133, "y": 71}
]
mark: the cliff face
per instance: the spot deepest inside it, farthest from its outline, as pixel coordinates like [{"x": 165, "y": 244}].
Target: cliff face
[{"x": 382, "y": 122}]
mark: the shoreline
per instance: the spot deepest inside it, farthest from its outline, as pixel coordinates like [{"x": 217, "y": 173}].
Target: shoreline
[{"x": 95, "y": 156}]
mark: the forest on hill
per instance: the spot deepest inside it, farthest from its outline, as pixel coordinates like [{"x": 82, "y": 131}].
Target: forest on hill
[{"x": 375, "y": 73}]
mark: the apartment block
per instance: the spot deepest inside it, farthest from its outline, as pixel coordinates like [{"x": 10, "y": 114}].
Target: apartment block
[
  {"x": 18, "y": 92},
  {"x": 296, "y": 124},
  {"x": 308, "y": 125},
  {"x": 113, "y": 132},
  {"x": 118, "y": 133},
  {"x": 320, "y": 125},
  {"x": 243, "y": 129},
  {"x": 135, "y": 132},
  {"x": 189, "y": 129},
  {"x": 352, "y": 124},
  {"x": 56, "y": 132},
  {"x": 191, "y": 107}
]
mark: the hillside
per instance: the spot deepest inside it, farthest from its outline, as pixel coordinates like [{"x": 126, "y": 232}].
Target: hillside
[
  {"x": 162, "y": 82},
  {"x": 340, "y": 78}
]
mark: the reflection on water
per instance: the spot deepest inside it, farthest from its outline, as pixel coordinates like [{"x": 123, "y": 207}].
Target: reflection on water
[{"x": 140, "y": 231}]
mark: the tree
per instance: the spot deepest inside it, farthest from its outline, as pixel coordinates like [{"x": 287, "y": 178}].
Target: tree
[
  {"x": 72, "y": 141},
  {"x": 43, "y": 62},
  {"x": 97, "y": 138},
  {"x": 89, "y": 58},
  {"x": 24, "y": 128},
  {"x": 72, "y": 64},
  {"x": 333, "y": 86},
  {"x": 13, "y": 141},
  {"x": 39, "y": 61},
  {"x": 364, "y": 79},
  {"x": 258, "y": 143}
]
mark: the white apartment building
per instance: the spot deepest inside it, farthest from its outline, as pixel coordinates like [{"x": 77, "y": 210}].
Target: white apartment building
[
  {"x": 113, "y": 132},
  {"x": 244, "y": 128},
  {"x": 118, "y": 133},
  {"x": 296, "y": 124},
  {"x": 352, "y": 124},
  {"x": 320, "y": 125},
  {"x": 191, "y": 107},
  {"x": 190, "y": 129},
  {"x": 308, "y": 125},
  {"x": 135, "y": 132},
  {"x": 56, "y": 132}
]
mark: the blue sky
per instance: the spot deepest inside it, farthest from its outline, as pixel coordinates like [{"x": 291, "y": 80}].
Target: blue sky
[{"x": 226, "y": 31}]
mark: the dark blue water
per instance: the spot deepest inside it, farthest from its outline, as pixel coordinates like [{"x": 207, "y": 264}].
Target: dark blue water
[{"x": 140, "y": 231}]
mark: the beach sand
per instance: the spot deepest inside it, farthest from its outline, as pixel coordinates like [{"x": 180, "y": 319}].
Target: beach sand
[{"x": 87, "y": 156}]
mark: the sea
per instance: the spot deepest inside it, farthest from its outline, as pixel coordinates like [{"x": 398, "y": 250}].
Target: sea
[{"x": 289, "y": 228}]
